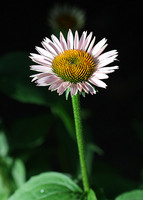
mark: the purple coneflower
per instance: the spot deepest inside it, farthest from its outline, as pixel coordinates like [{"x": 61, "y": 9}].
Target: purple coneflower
[{"x": 76, "y": 64}]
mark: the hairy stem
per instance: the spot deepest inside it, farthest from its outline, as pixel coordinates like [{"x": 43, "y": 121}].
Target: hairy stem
[{"x": 79, "y": 136}]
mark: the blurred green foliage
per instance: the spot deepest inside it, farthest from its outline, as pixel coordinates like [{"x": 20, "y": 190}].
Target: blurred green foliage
[{"x": 12, "y": 171}]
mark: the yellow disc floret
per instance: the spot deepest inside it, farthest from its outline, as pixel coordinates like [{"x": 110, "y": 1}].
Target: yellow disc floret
[{"x": 74, "y": 65}]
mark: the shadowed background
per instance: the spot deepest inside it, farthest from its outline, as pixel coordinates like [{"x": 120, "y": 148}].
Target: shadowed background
[{"x": 112, "y": 119}]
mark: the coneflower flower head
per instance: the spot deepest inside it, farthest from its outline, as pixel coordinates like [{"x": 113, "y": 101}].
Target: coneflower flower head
[{"x": 75, "y": 65}]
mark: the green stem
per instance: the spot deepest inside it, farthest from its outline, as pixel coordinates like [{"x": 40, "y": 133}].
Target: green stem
[{"x": 78, "y": 127}]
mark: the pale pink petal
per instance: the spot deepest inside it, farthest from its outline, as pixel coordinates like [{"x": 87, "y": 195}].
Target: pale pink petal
[
  {"x": 73, "y": 89},
  {"x": 87, "y": 41},
  {"x": 97, "y": 82},
  {"x": 62, "y": 88},
  {"x": 34, "y": 55},
  {"x": 55, "y": 47},
  {"x": 79, "y": 87},
  {"x": 41, "y": 61},
  {"x": 76, "y": 40},
  {"x": 63, "y": 42},
  {"x": 51, "y": 79},
  {"x": 91, "y": 45},
  {"x": 47, "y": 40},
  {"x": 42, "y": 84},
  {"x": 66, "y": 84},
  {"x": 107, "y": 55},
  {"x": 82, "y": 40},
  {"x": 34, "y": 77},
  {"x": 107, "y": 70},
  {"x": 45, "y": 53},
  {"x": 41, "y": 68},
  {"x": 49, "y": 54},
  {"x": 42, "y": 80},
  {"x": 100, "y": 75},
  {"x": 55, "y": 85},
  {"x": 70, "y": 39},
  {"x": 107, "y": 61},
  {"x": 100, "y": 51},
  {"x": 40, "y": 75},
  {"x": 48, "y": 79},
  {"x": 98, "y": 46},
  {"x": 85, "y": 89},
  {"x": 90, "y": 88},
  {"x": 57, "y": 42},
  {"x": 49, "y": 48},
  {"x": 40, "y": 58}
]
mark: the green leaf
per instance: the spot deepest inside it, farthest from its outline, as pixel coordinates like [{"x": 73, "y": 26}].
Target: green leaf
[
  {"x": 95, "y": 148},
  {"x": 132, "y": 195},
  {"x": 4, "y": 190},
  {"x": 3, "y": 144},
  {"x": 12, "y": 175},
  {"x": 91, "y": 195},
  {"x": 18, "y": 173},
  {"x": 48, "y": 186}
]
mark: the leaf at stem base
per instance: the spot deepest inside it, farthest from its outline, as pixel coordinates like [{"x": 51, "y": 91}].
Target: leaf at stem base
[{"x": 48, "y": 186}]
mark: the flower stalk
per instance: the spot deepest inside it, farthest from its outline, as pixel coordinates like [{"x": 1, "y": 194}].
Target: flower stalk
[{"x": 79, "y": 136}]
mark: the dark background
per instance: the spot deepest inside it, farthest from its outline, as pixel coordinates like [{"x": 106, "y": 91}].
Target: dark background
[{"x": 114, "y": 115}]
